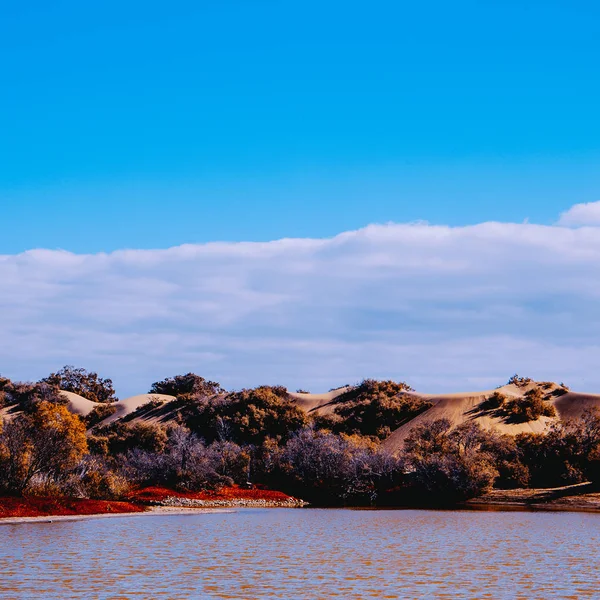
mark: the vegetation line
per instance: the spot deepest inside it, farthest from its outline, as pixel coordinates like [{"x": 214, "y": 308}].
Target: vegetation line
[{"x": 190, "y": 437}]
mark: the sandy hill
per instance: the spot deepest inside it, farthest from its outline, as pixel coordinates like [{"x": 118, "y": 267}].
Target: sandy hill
[
  {"x": 467, "y": 406},
  {"x": 321, "y": 403},
  {"x": 457, "y": 408},
  {"x": 79, "y": 405},
  {"x": 154, "y": 403}
]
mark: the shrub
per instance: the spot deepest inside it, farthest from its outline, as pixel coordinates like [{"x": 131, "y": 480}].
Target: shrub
[
  {"x": 46, "y": 443},
  {"x": 495, "y": 401},
  {"x": 568, "y": 453},
  {"x": 529, "y": 408},
  {"x": 187, "y": 464},
  {"x": 27, "y": 396},
  {"x": 86, "y": 384},
  {"x": 98, "y": 414},
  {"x": 376, "y": 408},
  {"x": 447, "y": 466},
  {"x": 245, "y": 417},
  {"x": 98, "y": 481},
  {"x": 329, "y": 469},
  {"x": 4, "y": 384},
  {"x": 519, "y": 381},
  {"x": 119, "y": 438},
  {"x": 512, "y": 472},
  {"x": 186, "y": 386}
]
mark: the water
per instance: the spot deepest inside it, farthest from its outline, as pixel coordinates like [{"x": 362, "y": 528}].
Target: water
[{"x": 287, "y": 553}]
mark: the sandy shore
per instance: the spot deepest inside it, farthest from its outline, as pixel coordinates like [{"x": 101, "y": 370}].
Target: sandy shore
[{"x": 152, "y": 511}]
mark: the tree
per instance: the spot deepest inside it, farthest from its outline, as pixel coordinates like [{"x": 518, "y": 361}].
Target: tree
[
  {"x": 86, "y": 384},
  {"x": 27, "y": 396},
  {"x": 48, "y": 442}
]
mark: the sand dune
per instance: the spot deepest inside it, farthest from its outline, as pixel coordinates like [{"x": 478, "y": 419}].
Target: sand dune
[
  {"x": 572, "y": 405},
  {"x": 463, "y": 407},
  {"x": 78, "y": 404},
  {"x": 457, "y": 408},
  {"x": 317, "y": 402},
  {"x": 131, "y": 404},
  {"x": 83, "y": 407}
]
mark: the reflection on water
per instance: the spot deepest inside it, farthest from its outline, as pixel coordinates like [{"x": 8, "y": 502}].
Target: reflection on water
[{"x": 287, "y": 553}]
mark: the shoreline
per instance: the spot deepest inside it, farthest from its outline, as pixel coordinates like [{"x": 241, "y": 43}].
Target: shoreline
[
  {"x": 150, "y": 512},
  {"x": 582, "y": 497},
  {"x": 470, "y": 506}
]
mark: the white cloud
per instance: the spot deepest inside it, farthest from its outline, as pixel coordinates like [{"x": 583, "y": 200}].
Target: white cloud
[
  {"x": 581, "y": 214},
  {"x": 443, "y": 307}
]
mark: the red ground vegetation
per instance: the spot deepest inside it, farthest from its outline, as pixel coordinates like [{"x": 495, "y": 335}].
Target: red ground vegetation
[
  {"x": 36, "y": 506},
  {"x": 156, "y": 494}
]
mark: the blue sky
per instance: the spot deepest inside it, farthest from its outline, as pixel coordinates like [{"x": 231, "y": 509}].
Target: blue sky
[
  {"x": 135, "y": 136},
  {"x": 147, "y": 125}
]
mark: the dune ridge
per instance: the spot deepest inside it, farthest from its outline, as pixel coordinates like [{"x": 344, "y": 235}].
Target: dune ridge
[
  {"x": 457, "y": 407},
  {"x": 83, "y": 407}
]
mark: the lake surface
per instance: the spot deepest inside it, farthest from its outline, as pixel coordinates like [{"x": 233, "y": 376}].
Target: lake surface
[{"x": 306, "y": 553}]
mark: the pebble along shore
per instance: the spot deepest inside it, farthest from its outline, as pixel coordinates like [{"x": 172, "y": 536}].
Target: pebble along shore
[{"x": 174, "y": 501}]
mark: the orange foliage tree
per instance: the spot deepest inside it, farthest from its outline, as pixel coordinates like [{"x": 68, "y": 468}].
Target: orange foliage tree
[{"x": 47, "y": 443}]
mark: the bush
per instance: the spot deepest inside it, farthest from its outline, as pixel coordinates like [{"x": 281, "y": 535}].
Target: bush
[
  {"x": 245, "y": 417},
  {"x": 47, "y": 443},
  {"x": 519, "y": 381},
  {"x": 4, "y": 383},
  {"x": 27, "y": 396},
  {"x": 447, "y": 466},
  {"x": 98, "y": 481},
  {"x": 529, "y": 408},
  {"x": 86, "y": 384},
  {"x": 98, "y": 414},
  {"x": 120, "y": 438},
  {"x": 495, "y": 401},
  {"x": 568, "y": 453},
  {"x": 512, "y": 472},
  {"x": 328, "y": 469},
  {"x": 187, "y": 464},
  {"x": 376, "y": 408},
  {"x": 186, "y": 386}
]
